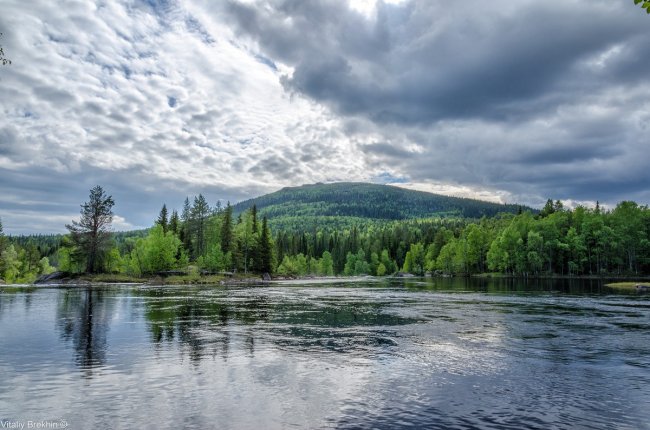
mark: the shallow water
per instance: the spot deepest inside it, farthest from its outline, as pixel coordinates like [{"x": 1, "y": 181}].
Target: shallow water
[{"x": 366, "y": 354}]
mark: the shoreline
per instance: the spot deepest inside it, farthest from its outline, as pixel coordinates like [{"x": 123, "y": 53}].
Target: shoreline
[{"x": 66, "y": 279}]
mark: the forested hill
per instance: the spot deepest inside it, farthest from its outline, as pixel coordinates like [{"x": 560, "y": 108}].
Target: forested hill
[{"x": 366, "y": 201}]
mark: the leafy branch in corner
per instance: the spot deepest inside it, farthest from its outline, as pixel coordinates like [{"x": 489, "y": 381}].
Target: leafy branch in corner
[
  {"x": 3, "y": 60},
  {"x": 644, "y": 4}
]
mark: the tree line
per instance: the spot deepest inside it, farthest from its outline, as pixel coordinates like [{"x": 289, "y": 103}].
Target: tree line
[
  {"x": 24, "y": 259},
  {"x": 207, "y": 238},
  {"x": 213, "y": 239}
]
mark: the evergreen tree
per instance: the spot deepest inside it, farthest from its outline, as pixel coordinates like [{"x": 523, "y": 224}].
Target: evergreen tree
[
  {"x": 265, "y": 249},
  {"x": 3, "y": 239},
  {"x": 162, "y": 219},
  {"x": 186, "y": 228},
  {"x": 174, "y": 222},
  {"x": 199, "y": 218},
  {"x": 91, "y": 235},
  {"x": 548, "y": 209},
  {"x": 227, "y": 230},
  {"x": 254, "y": 217}
]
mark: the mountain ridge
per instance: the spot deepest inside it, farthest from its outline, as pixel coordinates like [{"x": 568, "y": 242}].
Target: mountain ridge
[{"x": 360, "y": 200}]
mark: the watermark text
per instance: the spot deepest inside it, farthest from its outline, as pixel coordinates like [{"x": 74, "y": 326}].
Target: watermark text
[{"x": 33, "y": 424}]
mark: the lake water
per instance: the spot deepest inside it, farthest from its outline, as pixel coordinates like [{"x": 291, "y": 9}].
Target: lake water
[{"x": 392, "y": 354}]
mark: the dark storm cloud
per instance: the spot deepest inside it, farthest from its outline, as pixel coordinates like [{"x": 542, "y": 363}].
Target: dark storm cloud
[
  {"x": 566, "y": 155},
  {"x": 429, "y": 60},
  {"x": 533, "y": 98},
  {"x": 385, "y": 149}
]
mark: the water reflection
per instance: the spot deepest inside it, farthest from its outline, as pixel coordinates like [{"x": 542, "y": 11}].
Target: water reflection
[
  {"x": 209, "y": 320},
  {"x": 83, "y": 317},
  {"x": 415, "y": 353},
  {"x": 506, "y": 285}
]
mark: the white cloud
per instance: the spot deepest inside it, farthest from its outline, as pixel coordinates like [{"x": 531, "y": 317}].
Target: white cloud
[
  {"x": 180, "y": 98},
  {"x": 456, "y": 190},
  {"x": 170, "y": 94}
]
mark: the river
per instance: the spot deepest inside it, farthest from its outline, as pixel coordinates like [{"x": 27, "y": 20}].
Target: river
[{"x": 404, "y": 353}]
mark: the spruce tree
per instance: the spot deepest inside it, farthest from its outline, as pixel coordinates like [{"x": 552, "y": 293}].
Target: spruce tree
[
  {"x": 174, "y": 222},
  {"x": 162, "y": 219},
  {"x": 3, "y": 239},
  {"x": 199, "y": 215},
  {"x": 254, "y": 216},
  {"x": 265, "y": 249},
  {"x": 186, "y": 227},
  {"x": 226, "y": 230}
]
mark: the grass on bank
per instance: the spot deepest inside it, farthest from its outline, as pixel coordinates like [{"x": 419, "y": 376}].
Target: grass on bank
[{"x": 629, "y": 285}]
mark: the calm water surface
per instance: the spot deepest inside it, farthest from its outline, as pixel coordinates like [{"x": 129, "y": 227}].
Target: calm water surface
[{"x": 398, "y": 354}]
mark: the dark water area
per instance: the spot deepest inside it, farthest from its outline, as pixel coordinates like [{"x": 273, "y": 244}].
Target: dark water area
[{"x": 415, "y": 353}]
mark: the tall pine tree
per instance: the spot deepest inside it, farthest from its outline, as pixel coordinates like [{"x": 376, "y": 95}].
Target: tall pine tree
[
  {"x": 91, "y": 235},
  {"x": 199, "y": 216},
  {"x": 265, "y": 249},
  {"x": 226, "y": 230},
  {"x": 186, "y": 228},
  {"x": 3, "y": 239},
  {"x": 254, "y": 216},
  {"x": 162, "y": 219},
  {"x": 174, "y": 222}
]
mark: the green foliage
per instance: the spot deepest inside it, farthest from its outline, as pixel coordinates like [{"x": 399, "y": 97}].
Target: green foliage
[
  {"x": 554, "y": 241},
  {"x": 389, "y": 265},
  {"x": 644, "y": 5},
  {"x": 174, "y": 223},
  {"x": 91, "y": 236},
  {"x": 265, "y": 250},
  {"x": 414, "y": 261},
  {"x": 22, "y": 264},
  {"x": 44, "y": 266},
  {"x": 326, "y": 267},
  {"x": 343, "y": 205},
  {"x": 215, "y": 260},
  {"x": 10, "y": 264},
  {"x": 156, "y": 253},
  {"x": 226, "y": 229},
  {"x": 293, "y": 266},
  {"x": 197, "y": 226},
  {"x": 162, "y": 218},
  {"x": 381, "y": 269},
  {"x": 356, "y": 264}
]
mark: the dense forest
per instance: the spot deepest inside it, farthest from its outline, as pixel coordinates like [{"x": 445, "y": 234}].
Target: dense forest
[
  {"x": 345, "y": 204},
  {"x": 204, "y": 239}
]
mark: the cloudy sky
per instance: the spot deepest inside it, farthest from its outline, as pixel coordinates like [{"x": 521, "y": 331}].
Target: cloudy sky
[{"x": 159, "y": 99}]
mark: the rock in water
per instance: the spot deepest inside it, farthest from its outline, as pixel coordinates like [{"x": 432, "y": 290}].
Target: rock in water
[
  {"x": 52, "y": 278},
  {"x": 266, "y": 277}
]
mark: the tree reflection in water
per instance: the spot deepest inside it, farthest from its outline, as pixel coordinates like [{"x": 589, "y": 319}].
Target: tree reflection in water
[
  {"x": 83, "y": 316},
  {"x": 198, "y": 322},
  {"x": 215, "y": 322}
]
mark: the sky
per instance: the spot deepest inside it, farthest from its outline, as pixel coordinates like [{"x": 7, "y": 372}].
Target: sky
[{"x": 156, "y": 100}]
